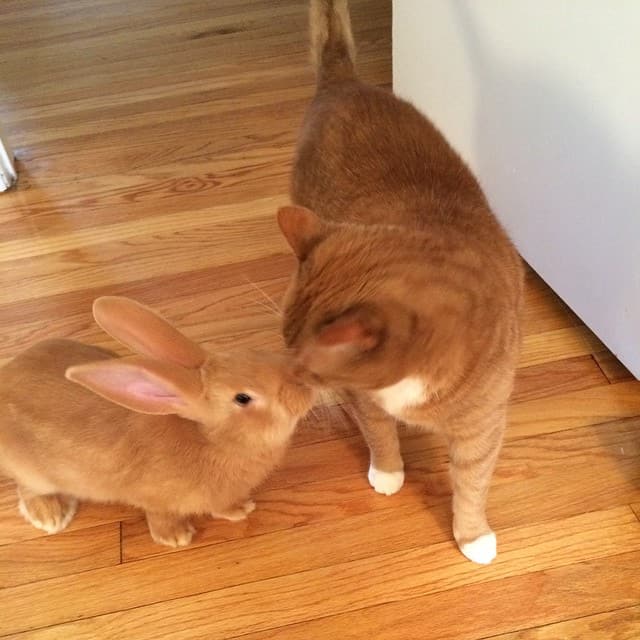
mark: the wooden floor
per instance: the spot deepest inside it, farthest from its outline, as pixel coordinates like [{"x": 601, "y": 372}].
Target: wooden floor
[{"x": 154, "y": 140}]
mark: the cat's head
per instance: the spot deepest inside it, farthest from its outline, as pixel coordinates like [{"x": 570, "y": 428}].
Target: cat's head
[{"x": 344, "y": 312}]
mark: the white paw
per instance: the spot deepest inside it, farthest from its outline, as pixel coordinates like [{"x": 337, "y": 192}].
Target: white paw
[
  {"x": 249, "y": 507},
  {"x": 385, "y": 482},
  {"x": 56, "y": 522},
  {"x": 181, "y": 537},
  {"x": 238, "y": 513},
  {"x": 481, "y": 550}
]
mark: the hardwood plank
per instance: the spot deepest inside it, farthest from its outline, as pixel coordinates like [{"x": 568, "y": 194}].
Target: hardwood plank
[
  {"x": 153, "y": 39},
  {"x": 110, "y": 263},
  {"x": 185, "y": 181},
  {"x": 348, "y": 455},
  {"x": 558, "y": 344},
  {"x": 287, "y": 509},
  {"x": 296, "y": 597},
  {"x": 575, "y": 409},
  {"x": 543, "y": 309},
  {"x": 326, "y": 481},
  {"x": 623, "y": 624},
  {"x": 237, "y": 305},
  {"x": 552, "y": 378},
  {"x": 481, "y": 611},
  {"x": 150, "y": 139},
  {"x": 69, "y": 552},
  {"x": 61, "y": 291},
  {"x": 612, "y": 367},
  {"x": 29, "y": 247},
  {"x": 561, "y": 474},
  {"x": 211, "y": 318}
]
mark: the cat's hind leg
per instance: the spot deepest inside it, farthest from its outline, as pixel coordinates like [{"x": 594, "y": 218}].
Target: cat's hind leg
[{"x": 474, "y": 446}]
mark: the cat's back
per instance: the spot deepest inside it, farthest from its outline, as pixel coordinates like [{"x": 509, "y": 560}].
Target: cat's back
[{"x": 361, "y": 146}]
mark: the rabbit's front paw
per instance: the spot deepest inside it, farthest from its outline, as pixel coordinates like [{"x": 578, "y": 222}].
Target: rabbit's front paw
[
  {"x": 238, "y": 513},
  {"x": 50, "y": 513},
  {"x": 248, "y": 507},
  {"x": 170, "y": 531}
]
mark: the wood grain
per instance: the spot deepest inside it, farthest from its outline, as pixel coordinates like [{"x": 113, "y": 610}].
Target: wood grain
[
  {"x": 552, "y": 378},
  {"x": 560, "y": 473},
  {"x": 612, "y": 367},
  {"x": 575, "y": 409},
  {"x": 154, "y": 143},
  {"x": 558, "y": 344},
  {"x": 544, "y": 311},
  {"x": 292, "y": 598},
  {"x": 58, "y": 555},
  {"x": 623, "y": 624},
  {"x": 480, "y": 611}
]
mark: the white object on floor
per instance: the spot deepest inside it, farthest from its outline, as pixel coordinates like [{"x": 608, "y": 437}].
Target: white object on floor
[{"x": 8, "y": 173}]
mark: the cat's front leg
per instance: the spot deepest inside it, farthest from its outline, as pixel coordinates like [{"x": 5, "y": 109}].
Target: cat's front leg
[
  {"x": 380, "y": 431},
  {"x": 474, "y": 445}
]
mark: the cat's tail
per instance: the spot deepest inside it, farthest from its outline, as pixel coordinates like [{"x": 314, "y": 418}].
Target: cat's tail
[{"x": 332, "y": 48}]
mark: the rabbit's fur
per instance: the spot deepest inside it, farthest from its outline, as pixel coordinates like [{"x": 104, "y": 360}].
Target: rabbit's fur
[{"x": 167, "y": 432}]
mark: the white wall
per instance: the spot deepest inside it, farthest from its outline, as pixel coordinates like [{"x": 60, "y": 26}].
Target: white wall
[{"x": 542, "y": 99}]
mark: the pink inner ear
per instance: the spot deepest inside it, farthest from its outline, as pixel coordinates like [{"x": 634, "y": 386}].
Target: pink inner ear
[
  {"x": 147, "y": 389},
  {"x": 130, "y": 386},
  {"x": 342, "y": 332}
]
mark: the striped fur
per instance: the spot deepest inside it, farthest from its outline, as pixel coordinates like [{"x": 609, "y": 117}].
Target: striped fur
[{"x": 405, "y": 278}]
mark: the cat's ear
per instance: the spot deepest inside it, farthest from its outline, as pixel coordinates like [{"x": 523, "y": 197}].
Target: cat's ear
[
  {"x": 302, "y": 229},
  {"x": 361, "y": 327}
]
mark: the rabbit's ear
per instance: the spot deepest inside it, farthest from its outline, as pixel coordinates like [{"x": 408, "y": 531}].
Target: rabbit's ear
[
  {"x": 141, "y": 384},
  {"x": 145, "y": 332}
]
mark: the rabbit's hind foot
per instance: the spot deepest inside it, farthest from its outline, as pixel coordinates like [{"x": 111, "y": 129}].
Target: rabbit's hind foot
[{"x": 50, "y": 513}]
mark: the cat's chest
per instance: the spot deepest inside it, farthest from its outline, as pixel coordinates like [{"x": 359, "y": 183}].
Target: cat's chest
[{"x": 398, "y": 398}]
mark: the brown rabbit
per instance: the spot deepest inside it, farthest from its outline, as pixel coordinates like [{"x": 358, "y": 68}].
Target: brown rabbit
[{"x": 175, "y": 431}]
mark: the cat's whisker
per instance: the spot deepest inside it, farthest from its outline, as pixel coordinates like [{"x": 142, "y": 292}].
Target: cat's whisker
[
  {"x": 268, "y": 308},
  {"x": 271, "y": 304}
]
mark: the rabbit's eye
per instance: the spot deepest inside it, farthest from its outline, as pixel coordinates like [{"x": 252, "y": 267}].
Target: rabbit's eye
[{"x": 242, "y": 399}]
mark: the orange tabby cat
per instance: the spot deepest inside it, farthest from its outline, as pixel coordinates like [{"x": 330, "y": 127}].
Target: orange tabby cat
[{"x": 408, "y": 291}]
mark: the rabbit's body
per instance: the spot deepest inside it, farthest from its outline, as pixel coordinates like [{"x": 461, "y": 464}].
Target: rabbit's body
[{"x": 58, "y": 438}]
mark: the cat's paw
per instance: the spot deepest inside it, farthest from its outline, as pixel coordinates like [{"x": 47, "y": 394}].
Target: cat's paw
[
  {"x": 385, "y": 482},
  {"x": 482, "y": 550},
  {"x": 50, "y": 513}
]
